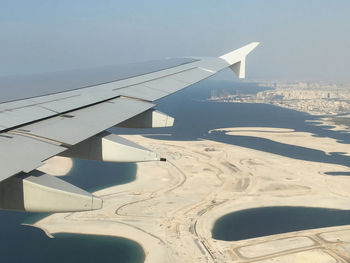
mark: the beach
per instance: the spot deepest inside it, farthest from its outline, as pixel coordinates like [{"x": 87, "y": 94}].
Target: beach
[{"x": 171, "y": 207}]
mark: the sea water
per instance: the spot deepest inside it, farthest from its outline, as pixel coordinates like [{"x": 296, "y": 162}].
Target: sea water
[{"x": 194, "y": 117}]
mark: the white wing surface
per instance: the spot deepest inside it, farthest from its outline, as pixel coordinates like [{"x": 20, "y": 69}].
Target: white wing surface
[{"x": 45, "y": 117}]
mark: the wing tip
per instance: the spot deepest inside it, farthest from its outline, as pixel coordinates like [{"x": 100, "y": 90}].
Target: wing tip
[{"x": 239, "y": 54}]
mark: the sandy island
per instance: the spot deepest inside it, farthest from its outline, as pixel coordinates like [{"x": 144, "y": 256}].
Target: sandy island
[{"x": 171, "y": 207}]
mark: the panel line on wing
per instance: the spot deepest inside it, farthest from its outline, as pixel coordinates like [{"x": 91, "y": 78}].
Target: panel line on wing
[
  {"x": 40, "y": 138},
  {"x": 104, "y": 115},
  {"x": 142, "y": 92},
  {"x": 135, "y": 98},
  {"x": 150, "y": 87},
  {"x": 6, "y": 106},
  {"x": 209, "y": 70},
  {"x": 48, "y": 109},
  {"x": 180, "y": 80},
  {"x": 23, "y": 154},
  {"x": 192, "y": 76},
  {"x": 165, "y": 76}
]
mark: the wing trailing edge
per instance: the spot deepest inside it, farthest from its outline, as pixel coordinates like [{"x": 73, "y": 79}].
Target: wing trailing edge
[{"x": 74, "y": 122}]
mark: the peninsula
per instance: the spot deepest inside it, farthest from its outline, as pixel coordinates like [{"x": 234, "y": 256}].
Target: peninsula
[{"x": 171, "y": 207}]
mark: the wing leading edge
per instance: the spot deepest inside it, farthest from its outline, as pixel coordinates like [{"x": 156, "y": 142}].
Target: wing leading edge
[{"x": 72, "y": 123}]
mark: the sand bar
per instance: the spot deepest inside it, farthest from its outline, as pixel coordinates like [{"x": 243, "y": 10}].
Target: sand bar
[{"x": 171, "y": 206}]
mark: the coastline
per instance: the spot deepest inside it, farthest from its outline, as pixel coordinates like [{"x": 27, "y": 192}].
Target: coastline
[{"x": 171, "y": 207}]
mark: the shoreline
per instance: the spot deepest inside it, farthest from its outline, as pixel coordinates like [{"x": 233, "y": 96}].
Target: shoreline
[
  {"x": 86, "y": 223},
  {"x": 171, "y": 207}
]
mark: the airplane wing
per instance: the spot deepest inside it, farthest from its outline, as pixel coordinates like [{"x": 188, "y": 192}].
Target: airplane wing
[{"x": 70, "y": 118}]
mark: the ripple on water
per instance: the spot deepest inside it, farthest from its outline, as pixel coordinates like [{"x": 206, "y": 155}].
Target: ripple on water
[{"x": 264, "y": 221}]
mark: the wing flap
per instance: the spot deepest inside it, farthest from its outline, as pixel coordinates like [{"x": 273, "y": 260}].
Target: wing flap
[
  {"x": 161, "y": 83},
  {"x": 76, "y": 126},
  {"x": 41, "y": 127},
  {"x": 21, "y": 112},
  {"x": 23, "y": 154},
  {"x": 11, "y": 118}
]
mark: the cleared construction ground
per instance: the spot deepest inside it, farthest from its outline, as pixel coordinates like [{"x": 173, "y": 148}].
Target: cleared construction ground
[{"x": 171, "y": 207}]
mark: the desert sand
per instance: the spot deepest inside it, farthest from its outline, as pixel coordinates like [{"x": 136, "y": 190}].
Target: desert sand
[
  {"x": 57, "y": 166},
  {"x": 172, "y": 206}
]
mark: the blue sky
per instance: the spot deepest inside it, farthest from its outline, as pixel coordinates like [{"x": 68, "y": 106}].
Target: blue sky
[{"x": 300, "y": 39}]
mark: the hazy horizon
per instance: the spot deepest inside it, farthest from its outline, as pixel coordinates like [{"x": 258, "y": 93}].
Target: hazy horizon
[{"x": 300, "y": 40}]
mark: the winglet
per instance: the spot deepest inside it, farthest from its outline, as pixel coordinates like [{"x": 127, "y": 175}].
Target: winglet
[{"x": 236, "y": 58}]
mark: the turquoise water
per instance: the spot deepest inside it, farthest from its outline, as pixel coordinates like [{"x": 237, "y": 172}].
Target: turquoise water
[{"x": 265, "y": 221}]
